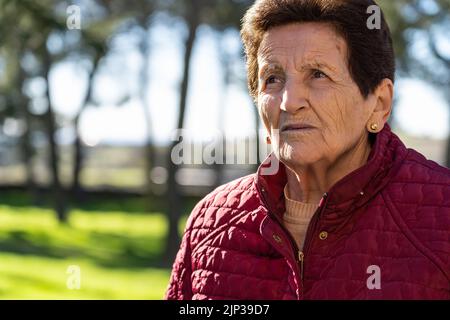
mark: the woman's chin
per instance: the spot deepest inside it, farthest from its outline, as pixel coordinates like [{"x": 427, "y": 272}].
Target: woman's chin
[{"x": 298, "y": 154}]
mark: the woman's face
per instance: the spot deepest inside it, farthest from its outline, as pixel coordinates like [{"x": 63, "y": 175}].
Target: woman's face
[{"x": 306, "y": 92}]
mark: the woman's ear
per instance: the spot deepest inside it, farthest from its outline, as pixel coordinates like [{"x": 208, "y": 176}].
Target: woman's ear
[{"x": 384, "y": 95}]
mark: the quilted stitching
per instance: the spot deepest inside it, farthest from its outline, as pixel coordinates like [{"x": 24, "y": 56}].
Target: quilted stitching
[{"x": 401, "y": 224}]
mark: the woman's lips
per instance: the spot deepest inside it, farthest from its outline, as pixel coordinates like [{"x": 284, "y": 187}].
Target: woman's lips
[{"x": 296, "y": 128}]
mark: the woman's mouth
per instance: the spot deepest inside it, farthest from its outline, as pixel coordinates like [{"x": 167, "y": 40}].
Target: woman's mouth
[{"x": 296, "y": 127}]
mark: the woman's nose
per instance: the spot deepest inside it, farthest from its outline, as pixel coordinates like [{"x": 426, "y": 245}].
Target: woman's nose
[{"x": 294, "y": 98}]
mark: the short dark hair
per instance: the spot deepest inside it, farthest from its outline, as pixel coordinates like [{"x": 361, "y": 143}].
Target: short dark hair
[{"x": 371, "y": 55}]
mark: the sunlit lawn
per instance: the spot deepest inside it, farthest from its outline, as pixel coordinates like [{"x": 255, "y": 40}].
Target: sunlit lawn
[{"x": 118, "y": 254}]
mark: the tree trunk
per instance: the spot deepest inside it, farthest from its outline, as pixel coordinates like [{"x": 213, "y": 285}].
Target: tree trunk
[
  {"x": 225, "y": 63},
  {"x": 219, "y": 168},
  {"x": 144, "y": 81},
  {"x": 77, "y": 190},
  {"x": 50, "y": 123},
  {"x": 174, "y": 197},
  {"x": 25, "y": 141},
  {"x": 77, "y": 161},
  {"x": 27, "y": 150}
]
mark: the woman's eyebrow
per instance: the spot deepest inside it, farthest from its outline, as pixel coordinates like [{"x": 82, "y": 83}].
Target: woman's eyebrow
[
  {"x": 270, "y": 66},
  {"x": 317, "y": 65}
]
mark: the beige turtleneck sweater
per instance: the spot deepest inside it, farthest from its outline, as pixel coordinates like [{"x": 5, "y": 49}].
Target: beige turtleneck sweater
[{"x": 297, "y": 217}]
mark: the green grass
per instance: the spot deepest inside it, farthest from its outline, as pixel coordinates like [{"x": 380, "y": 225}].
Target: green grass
[
  {"x": 32, "y": 277},
  {"x": 118, "y": 254}
]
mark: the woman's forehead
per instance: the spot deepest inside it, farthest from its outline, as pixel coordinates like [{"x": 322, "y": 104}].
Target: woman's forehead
[
  {"x": 306, "y": 43},
  {"x": 313, "y": 36}
]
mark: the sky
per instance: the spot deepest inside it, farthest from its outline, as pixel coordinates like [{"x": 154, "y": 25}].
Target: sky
[{"x": 421, "y": 110}]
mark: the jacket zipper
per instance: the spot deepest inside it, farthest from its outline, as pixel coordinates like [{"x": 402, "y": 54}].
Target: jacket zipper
[
  {"x": 311, "y": 229},
  {"x": 300, "y": 257},
  {"x": 291, "y": 239}
]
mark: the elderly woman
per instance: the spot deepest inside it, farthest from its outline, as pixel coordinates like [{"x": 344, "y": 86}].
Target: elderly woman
[{"x": 351, "y": 213}]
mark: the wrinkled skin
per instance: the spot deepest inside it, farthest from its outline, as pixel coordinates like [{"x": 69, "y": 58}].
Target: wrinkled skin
[{"x": 303, "y": 76}]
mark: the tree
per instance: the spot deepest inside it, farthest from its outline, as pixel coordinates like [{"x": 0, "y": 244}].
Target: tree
[
  {"x": 144, "y": 21},
  {"x": 220, "y": 14},
  {"x": 174, "y": 198},
  {"x": 414, "y": 21},
  {"x": 31, "y": 40},
  {"x": 37, "y": 21},
  {"x": 16, "y": 104}
]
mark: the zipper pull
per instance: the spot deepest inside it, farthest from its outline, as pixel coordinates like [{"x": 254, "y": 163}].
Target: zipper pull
[
  {"x": 301, "y": 257},
  {"x": 324, "y": 196}
]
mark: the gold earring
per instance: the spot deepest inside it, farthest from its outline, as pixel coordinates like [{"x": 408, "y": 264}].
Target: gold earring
[
  {"x": 374, "y": 127},
  {"x": 268, "y": 141}
]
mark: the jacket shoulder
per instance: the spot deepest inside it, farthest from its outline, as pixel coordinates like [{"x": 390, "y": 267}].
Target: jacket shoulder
[
  {"x": 214, "y": 210},
  {"x": 231, "y": 194},
  {"x": 221, "y": 205},
  {"x": 421, "y": 181},
  {"x": 416, "y": 166},
  {"x": 420, "y": 193}
]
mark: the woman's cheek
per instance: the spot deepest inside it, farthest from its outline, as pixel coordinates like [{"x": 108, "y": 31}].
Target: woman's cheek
[
  {"x": 269, "y": 109},
  {"x": 330, "y": 104}
]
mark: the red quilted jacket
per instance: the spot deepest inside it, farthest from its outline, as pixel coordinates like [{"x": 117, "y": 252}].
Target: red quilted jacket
[{"x": 381, "y": 232}]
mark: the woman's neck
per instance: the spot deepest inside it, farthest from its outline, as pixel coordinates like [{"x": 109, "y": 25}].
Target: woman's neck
[{"x": 309, "y": 183}]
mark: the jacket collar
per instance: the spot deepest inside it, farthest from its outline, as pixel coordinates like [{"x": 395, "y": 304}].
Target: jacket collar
[{"x": 353, "y": 190}]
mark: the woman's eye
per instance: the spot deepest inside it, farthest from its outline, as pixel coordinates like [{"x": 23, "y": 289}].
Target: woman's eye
[
  {"x": 271, "y": 79},
  {"x": 319, "y": 74}
]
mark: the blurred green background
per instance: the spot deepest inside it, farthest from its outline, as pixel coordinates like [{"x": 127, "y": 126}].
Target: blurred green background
[
  {"x": 91, "y": 92},
  {"x": 118, "y": 246}
]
